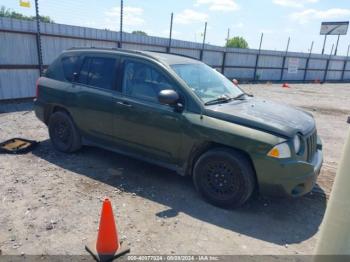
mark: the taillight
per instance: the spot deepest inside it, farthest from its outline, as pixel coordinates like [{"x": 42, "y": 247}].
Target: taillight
[{"x": 37, "y": 88}]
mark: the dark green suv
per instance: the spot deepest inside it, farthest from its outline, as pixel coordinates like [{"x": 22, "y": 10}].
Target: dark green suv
[{"x": 179, "y": 113}]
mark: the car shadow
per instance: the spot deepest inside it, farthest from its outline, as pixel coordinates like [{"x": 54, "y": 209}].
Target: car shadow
[{"x": 268, "y": 219}]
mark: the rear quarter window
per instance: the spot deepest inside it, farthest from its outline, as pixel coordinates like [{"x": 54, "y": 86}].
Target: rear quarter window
[
  {"x": 54, "y": 71},
  {"x": 98, "y": 72},
  {"x": 70, "y": 65},
  {"x": 62, "y": 68}
]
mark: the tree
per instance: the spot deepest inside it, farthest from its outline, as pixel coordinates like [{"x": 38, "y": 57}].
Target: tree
[
  {"x": 139, "y": 32},
  {"x": 237, "y": 42},
  {"x": 6, "y": 12}
]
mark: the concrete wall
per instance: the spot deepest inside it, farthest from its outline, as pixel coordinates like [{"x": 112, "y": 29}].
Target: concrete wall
[{"x": 19, "y": 58}]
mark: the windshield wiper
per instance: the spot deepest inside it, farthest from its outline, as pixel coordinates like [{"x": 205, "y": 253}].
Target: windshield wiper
[
  {"x": 220, "y": 99},
  {"x": 240, "y": 96},
  {"x": 225, "y": 99}
]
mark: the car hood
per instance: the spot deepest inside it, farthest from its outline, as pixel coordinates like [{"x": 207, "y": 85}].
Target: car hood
[{"x": 264, "y": 115}]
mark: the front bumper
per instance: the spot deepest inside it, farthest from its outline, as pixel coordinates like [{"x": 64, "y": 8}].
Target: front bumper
[{"x": 290, "y": 177}]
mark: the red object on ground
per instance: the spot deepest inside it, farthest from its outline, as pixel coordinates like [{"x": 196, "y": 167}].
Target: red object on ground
[
  {"x": 107, "y": 239},
  {"x": 285, "y": 85}
]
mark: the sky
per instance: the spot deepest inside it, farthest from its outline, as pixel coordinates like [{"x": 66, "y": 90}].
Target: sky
[{"x": 277, "y": 19}]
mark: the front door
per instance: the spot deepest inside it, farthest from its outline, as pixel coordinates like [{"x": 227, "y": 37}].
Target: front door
[{"x": 148, "y": 128}]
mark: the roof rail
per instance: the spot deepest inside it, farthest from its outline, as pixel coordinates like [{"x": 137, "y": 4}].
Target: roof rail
[
  {"x": 162, "y": 52},
  {"x": 112, "y": 49},
  {"x": 141, "y": 52},
  {"x": 93, "y": 47}
]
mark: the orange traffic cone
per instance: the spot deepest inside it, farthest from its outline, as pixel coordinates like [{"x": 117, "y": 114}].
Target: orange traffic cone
[
  {"x": 107, "y": 246},
  {"x": 285, "y": 85}
]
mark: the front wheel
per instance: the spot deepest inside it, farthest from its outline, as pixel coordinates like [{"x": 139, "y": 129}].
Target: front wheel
[
  {"x": 224, "y": 177},
  {"x": 63, "y": 133}
]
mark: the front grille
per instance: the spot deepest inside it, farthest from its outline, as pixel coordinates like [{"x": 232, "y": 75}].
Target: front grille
[{"x": 311, "y": 146}]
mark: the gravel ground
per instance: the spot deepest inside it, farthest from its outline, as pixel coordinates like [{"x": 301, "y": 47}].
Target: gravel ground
[{"x": 50, "y": 202}]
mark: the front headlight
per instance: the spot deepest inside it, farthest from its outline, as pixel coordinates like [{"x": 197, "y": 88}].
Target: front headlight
[
  {"x": 297, "y": 144},
  {"x": 280, "y": 151}
]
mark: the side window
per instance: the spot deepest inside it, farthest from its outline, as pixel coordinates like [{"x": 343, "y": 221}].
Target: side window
[
  {"x": 70, "y": 65},
  {"x": 84, "y": 71},
  {"x": 98, "y": 72},
  {"x": 143, "y": 81},
  {"x": 54, "y": 71}
]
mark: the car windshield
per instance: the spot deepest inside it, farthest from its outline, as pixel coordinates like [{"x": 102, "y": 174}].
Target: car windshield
[{"x": 206, "y": 82}]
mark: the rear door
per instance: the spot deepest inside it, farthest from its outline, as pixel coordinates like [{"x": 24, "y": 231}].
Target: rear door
[
  {"x": 97, "y": 86},
  {"x": 142, "y": 123}
]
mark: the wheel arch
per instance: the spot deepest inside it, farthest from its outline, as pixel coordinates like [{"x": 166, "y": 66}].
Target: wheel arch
[
  {"x": 199, "y": 150},
  {"x": 49, "y": 110}
]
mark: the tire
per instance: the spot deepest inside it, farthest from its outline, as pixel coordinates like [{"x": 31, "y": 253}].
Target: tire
[
  {"x": 63, "y": 133},
  {"x": 224, "y": 177}
]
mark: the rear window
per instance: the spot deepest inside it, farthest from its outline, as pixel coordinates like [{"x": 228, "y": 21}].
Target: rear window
[{"x": 98, "y": 72}]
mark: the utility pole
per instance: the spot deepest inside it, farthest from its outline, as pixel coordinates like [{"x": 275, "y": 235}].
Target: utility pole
[
  {"x": 261, "y": 40},
  {"x": 331, "y": 50},
  {"x": 284, "y": 59},
  {"x": 312, "y": 45},
  {"x": 327, "y": 64},
  {"x": 324, "y": 44},
  {"x": 203, "y": 44},
  {"x": 228, "y": 36},
  {"x": 121, "y": 24},
  {"x": 171, "y": 32},
  {"x": 336, "y": 47},
  {"x": 38, "y": 38},
  {"x": 308, "y": 61},
  {"x": 257, "y": 57},
  {"x": 287, "y": 45},
  {"x": 205, "y": 34}
]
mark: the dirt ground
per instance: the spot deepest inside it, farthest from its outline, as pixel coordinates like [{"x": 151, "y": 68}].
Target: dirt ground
[{"x": 50, "y": 202}]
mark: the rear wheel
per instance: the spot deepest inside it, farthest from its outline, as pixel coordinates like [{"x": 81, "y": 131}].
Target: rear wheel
[
  {"x": 63, "y": 133},
  {"x": 224, "y": 177}
]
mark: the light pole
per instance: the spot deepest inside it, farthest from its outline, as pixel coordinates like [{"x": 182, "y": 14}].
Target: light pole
[
  {"x": 228, "y": 36},
  {"x": 121, "y": 24},
  {"x": 324, "y": 44},
  {"x": 38, "y": 38},
  {"x": 170, "y": 32},
  {"x": 336, "y": 47},
  {"x": 203, "y": 44}
]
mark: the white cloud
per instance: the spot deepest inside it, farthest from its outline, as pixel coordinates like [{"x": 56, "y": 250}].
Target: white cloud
[
  {"x": 132, "y": 16},
  {"x": 313, "y": 14},
  {"x": 294, "y": 3},
  {"x": 189, "y": 16},
  {"x": 219, "y": 5},
  {"x": 289, "y": 30},
  {"x": 238, "y": 25}
]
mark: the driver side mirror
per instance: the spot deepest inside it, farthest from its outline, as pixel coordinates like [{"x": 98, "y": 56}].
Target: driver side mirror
[{"x": 168, "y": 97}]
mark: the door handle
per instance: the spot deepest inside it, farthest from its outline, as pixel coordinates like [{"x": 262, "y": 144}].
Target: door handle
[{"x": 122, "y": 103}]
